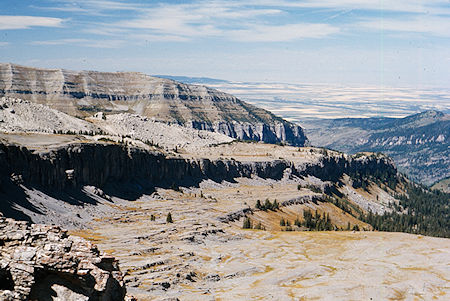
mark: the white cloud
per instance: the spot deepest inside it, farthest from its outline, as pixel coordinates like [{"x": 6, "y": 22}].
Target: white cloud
[
  {"x": 230, "y": 20},
  {"x": 437, "y": 26},
  {"x": 157, "y": 38},
  {"x": 110, "y": 5},
  {"x": 192, "y": 20},
  {"x": 407, "y": 6},
  {"x": 281, "y": 33},
  {"x": 83, "y": 43},
  {"x": 3, "y": 44},
  {"x": 24, "y": 22},
  {"x": 98, "y": 8}
]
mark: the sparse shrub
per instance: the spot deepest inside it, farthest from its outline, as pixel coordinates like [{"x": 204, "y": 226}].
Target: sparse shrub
[{"x": 153, "y": 218}]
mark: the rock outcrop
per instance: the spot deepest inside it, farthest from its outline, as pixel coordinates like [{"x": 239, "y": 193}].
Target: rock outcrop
[
  {"x": 18, "y": 115},
  {"x": 87, "y": 92},
  {"x": 40, "y": 262},
  {"x": 97, "y": 164}
]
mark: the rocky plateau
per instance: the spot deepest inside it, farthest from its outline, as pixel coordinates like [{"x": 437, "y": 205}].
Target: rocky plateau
[
  {"x": 87, "y": 92},
  {"x": 173, "y": 207}
]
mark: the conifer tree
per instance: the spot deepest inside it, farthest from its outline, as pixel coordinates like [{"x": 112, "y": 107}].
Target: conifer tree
[
  {"x": 258, "y": 205},
  {"x": 247, "y": 224},
  {"x": 169, "y": 218}
]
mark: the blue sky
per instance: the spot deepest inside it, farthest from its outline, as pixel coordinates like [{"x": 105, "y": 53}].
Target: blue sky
[{"x": 394, "y": 43}]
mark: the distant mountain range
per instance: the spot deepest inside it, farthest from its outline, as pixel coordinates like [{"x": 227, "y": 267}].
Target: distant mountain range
[{"x": 419, "y": 143}]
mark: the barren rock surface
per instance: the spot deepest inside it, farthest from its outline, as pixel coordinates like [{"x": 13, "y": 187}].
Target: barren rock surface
[
  {"x": 198, "y": 257},
  {"x": 22, "y": 116},
  {"x": 18, "y": 115},
  {"x": 157, "y": 133},
  {"x": 38, "y": 262}
]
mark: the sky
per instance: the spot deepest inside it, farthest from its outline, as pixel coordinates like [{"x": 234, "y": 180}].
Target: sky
[{"x": 362, "y": 42}]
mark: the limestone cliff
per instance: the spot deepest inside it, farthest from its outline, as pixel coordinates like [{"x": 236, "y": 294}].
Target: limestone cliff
[
  {"x": 97, "y": 164},
  {"x": 86, "y": 92}
]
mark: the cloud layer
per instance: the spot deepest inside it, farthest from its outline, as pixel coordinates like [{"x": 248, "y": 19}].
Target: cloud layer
[
  {"x": 24, "y": 22},
  {"x": 319, "y": 40}
]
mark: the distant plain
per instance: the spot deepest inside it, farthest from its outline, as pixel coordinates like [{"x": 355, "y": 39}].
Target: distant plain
[{"x": 300, "y": 102}]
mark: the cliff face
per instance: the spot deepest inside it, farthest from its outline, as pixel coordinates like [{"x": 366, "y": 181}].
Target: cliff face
[
  {"x": 86, "y": 92},
  {"x": 99, "y": 164}
]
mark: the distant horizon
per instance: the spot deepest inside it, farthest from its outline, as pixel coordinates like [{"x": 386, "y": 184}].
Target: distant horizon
[
  {"x": 352, "y": 42},
  {"x": 170, "y": 76}
]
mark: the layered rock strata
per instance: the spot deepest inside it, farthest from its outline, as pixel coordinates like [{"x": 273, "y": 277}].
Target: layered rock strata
[
  {"x": 87, "y": 92},
  {"x": 40, "y": 262}
]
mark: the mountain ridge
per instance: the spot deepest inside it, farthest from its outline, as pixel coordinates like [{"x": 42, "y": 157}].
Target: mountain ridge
[
  {"x": 83, "y": 93},
  {"x": 418, "y": 143}
]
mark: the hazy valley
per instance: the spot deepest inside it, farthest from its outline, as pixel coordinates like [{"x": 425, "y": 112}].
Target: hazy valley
[{"x": 419, "y": 143}]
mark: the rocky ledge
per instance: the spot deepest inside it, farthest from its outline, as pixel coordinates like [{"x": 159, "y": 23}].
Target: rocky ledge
[{"x": 40, "y": 262}]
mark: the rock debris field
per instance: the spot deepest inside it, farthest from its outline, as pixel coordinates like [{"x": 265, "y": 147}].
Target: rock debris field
[{"x": 197, "y": 257}]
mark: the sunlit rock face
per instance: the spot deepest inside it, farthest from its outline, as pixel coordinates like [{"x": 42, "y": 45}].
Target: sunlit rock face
[
  {"x": 40, "y": 262},
  {"x": 87, "y": 92}
]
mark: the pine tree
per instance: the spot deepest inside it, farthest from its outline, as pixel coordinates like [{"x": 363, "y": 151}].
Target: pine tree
[
  {"x": 275, "y": 205},
  {"x": 169, "y": 218},
  {"x": 267, "y": 205},
  {"x": 247, "y": 224},
  {"x": 258, "y": 205},
  {"x": 259, "y": 226}
]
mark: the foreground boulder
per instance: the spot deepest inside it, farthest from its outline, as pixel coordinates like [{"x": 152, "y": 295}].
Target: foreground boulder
[{"x": 40, "y": 262}]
